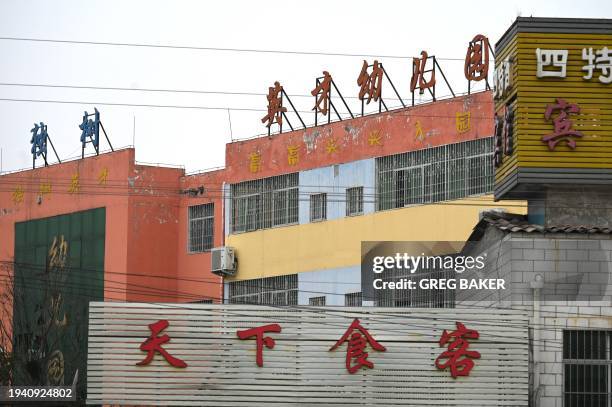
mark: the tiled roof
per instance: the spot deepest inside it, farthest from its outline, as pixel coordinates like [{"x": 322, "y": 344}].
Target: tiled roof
[{"x": 511, "y": 222}]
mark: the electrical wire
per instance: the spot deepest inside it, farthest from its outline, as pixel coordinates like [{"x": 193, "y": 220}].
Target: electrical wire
[
  {"x": 392, "y": 316},
  {"x": 397, "y": 318},
  {"x": 205, "y": 92},
  {"x": 199, "y": 48},
  {"x": 183, "y": 295},
  {"x": 305, "y": 197},
  {"x": 114, "y": 88}
]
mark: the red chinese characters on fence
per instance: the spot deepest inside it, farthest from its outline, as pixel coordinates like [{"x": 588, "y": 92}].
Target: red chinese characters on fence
[
  {"x": 154, "y": 344},
  {"x": 258, "y": 333},
  {"x": 358, "y": 338},
  {"x": 458, "y": 357},
  {"x": 562, "y": 124}
]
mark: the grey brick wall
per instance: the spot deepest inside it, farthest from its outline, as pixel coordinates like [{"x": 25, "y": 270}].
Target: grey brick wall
[{"x": 577, "y": 291}]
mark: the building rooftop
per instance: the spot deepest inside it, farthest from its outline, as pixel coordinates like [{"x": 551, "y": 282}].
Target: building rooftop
[{"x": 515, "y": 223}]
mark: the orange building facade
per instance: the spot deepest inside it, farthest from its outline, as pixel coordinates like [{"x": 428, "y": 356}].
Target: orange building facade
[
  {"x": 293, "y": 207},
  {"x": 147, "y": 255},
  {"x": 143, "y": 221}
]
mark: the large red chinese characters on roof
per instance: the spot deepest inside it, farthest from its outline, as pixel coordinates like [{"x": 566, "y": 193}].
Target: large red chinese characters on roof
[{"x": 476, "y": 67}]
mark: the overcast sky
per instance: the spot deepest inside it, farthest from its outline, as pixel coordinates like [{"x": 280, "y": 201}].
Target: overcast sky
[{"x": 196, "y": 138}]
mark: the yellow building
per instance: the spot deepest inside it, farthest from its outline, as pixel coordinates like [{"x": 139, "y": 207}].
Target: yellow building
[{"x": 297, "y": 234}]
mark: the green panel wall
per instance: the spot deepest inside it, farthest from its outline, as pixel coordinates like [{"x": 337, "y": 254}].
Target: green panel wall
[{"x": 53, "y": 285}]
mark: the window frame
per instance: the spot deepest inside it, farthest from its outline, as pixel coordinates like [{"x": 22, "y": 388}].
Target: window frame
[
  {"x": 358, "y": 204},
  {"x": 435, "y": 174},
  {"x": 264, "y": 203},
  {"x": 322, "y": 209},
  {"x": 604, "y": 363},
  {"x": 318, "y": 301},
  {"x": 207, "y": 217},
  {"x": 353, "y": 296},
  {"x": 276, "y": 290}
]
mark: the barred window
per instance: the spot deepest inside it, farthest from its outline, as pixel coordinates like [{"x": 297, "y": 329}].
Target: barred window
[
  {"x": 354, "y": 201},
  {"x": 206, "y": 301},
  {"x": 353, "y": 299},
  {"x": 264, "y": 203},
  {"x": 318, "y": 207},
  {"x": 435, "y": 174},
  {"x": 279, "y": 290},
  {"x": 417, "y": 298},
  {"x": 317, "y": 301},
  {"x": 587, "y": 371},
  {"x": 201, "y": 225}
]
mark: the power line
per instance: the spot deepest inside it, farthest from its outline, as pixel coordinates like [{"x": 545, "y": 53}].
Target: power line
[
  {"x": 160, "y": 90},
  {"x": 135, "y": 105},
  {"x": 173, "y": 187},
  {"x": 405, "y": 111},
  {"x": 180, "y": 294},
  {"x": 342, "y": 313},
  {"x": 364, "y": 310},
  {"x": 393, "y": 318},
  {"x": 471, "y": 200},
  {"x": 42, "y": 283},
  {"x": 391, "y": 110},
  {"x": 199, "y": 48},
  {"x": 187, "y": 91}
]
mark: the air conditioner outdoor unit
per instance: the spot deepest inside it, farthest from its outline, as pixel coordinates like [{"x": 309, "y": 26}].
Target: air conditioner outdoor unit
[{"x": 223, "y": 261}]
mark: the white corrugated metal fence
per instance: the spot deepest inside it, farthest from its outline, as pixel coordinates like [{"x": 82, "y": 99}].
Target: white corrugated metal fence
[{"x": 301, "y": 369}]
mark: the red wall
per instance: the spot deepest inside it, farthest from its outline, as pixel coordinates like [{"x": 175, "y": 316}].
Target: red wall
[
  {"x": 113, "y": 196},
  {"x": 143, "y": 224},
  {"x": 356, "y": 139},
  {"x": 146, "y": 255},
  {"x": 195, "y": 276}
]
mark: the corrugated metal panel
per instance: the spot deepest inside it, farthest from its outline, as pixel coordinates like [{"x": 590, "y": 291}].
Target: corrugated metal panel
[{"x": 300, "y": 369}]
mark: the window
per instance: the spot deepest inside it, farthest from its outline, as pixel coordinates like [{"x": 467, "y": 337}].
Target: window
[
  {"x": 201, "y": 221},
  {"x": 207, "y": 301},
  {"x": 352, "y": 299},
  {"x": 264, "y": 203},
  {"x": 318, "y": 207},
  {"x": 417, "y": 298},
  {"x": 587, "y": 368},
  {"x": 435, "y": 174},
  {"x": 280, "y": 290},
  {"x": 354, "y": 201},
  {"x": 317, "y": 301}
]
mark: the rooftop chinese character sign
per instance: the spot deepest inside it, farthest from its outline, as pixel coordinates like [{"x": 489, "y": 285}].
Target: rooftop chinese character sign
[
  {"x": 239, "y": 355},
  {"x": 553, "y": 105}
]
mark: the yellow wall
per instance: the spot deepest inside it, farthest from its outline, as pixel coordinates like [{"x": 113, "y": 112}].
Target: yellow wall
[{"x": 337, "y": 243}]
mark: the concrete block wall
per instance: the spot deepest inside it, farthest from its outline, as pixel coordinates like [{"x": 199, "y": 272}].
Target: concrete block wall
[{"x": 577, "y": 291}]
